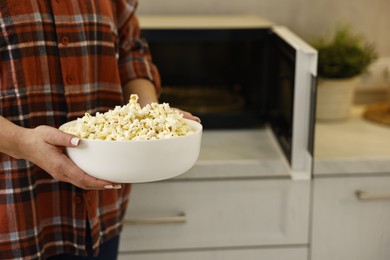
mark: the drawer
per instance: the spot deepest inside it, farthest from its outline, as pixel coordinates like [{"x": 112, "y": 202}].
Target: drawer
[
  {"x": 215, "y": 214},
  {"x": 230, "y": 254},
  {"x": 351, "y": 218}
]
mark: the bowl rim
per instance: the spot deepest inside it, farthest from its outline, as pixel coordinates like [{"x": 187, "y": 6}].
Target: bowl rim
[{"x": 195, "y": 126}]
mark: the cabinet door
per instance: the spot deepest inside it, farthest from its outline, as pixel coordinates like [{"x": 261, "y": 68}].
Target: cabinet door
[
  {"x": 229, "y": 254},
  {"x": 351, "y": 219},
  {"x": 216, "y": 214}
]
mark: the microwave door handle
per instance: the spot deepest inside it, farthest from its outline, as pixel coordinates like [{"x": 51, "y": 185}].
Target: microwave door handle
[{"x": 312, "y": 115}]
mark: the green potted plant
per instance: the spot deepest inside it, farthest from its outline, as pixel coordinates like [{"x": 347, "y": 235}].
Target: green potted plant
[{"x": 341, "y": 60}]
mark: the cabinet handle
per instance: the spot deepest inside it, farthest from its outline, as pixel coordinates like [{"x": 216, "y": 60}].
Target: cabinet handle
[
  {"x": 365, "y": 195},
  {"x": 181, "y": 218}
]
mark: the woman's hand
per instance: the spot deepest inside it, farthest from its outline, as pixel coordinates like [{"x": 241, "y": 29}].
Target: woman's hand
[
  {"x": 45, "y": 146},
  {"x": 188, "y": 115}
]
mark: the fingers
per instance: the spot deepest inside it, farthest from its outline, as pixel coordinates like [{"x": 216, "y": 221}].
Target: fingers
[
  {"x": 48, "y": 153},
  {"x": 63, "y": 169},
  {"x": 188, "y": 115},
  {"x": 57, "y": 137}
]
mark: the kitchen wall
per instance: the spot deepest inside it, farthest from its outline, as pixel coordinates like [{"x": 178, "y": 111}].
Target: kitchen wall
[{"x": 307, "y": 18}]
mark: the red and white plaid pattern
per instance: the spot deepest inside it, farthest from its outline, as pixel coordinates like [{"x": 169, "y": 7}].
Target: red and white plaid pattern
[{"x": 58, "y": 60}]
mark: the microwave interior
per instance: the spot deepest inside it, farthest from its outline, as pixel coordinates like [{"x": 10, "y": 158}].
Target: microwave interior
[{"x": 230, "y": 78}]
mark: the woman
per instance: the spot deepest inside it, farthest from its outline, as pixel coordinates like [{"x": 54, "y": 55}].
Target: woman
[{"x": 58, "y": 60}]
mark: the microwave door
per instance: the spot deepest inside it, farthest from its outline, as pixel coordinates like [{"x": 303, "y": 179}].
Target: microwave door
[{"x": 292, "y": 90}]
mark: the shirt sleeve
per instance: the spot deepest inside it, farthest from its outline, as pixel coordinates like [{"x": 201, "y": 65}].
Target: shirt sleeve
[{"x": 135, "y": 59}]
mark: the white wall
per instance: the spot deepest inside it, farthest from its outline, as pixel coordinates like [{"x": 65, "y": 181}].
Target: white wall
[{"x": 307, "y": 18}]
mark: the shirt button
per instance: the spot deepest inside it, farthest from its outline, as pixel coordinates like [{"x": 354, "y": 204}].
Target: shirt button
[
  {"x": 69, "y": 79},
  {"x": 77, "y": 199},
  {"x": 65, "y": 40}
]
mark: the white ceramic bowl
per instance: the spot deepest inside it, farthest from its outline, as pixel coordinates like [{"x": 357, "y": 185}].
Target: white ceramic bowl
[{"x": 138, "y": 161}]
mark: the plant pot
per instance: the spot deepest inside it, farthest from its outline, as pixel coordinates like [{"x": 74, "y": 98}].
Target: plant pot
[{"x": 335, "y": 98}]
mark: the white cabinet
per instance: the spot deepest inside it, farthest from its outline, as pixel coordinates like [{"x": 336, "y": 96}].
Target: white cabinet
[
  {"x": 233, "y": 204},
  {"x": 351, "y": 218},
  {"x": 217, "y": 215}
]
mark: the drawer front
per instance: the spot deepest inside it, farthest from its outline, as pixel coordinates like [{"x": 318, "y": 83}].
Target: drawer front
[
  {"x": 230, "y": 254},
  {"x": 351, "y": 219},
  {"x": 206, "y": 214}
]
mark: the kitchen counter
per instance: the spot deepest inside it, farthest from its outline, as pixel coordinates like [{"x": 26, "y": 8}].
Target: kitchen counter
[{"x": 353, "y": 146}]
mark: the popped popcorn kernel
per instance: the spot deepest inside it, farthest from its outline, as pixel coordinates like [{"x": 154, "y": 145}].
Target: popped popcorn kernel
[{"x": 131, "y": 122}]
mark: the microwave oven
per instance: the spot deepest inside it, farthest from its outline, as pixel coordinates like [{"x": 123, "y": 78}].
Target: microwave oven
[{"x": 239, "y": 72}]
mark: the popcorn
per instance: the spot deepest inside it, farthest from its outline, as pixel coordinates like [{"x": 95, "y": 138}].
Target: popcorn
[{"x": 131, "y": 122}]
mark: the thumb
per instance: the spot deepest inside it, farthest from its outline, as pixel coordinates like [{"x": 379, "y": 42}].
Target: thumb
[{"x": 57, "y": 137}]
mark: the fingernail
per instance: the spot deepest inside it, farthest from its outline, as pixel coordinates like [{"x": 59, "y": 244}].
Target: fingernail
[
  {"x": 108, "y": 187},
  {"x": 75, "y": 141},
  {"x": 116, "y": 187},
  {"x": 197, "y": 119}
]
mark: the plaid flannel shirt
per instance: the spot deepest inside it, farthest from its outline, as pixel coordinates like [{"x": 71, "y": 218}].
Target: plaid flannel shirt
[{"x": 58, "y": 60}]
